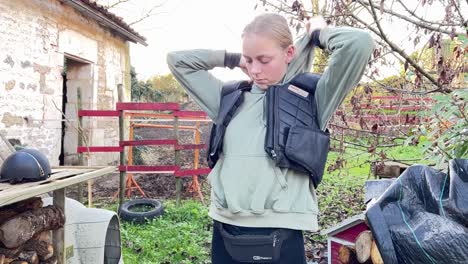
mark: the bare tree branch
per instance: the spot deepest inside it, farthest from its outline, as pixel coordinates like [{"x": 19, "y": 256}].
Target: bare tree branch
[
  {"x": 144, "y": 14},
  {"x": 463, "y": 21},
  {"x": 290, "y": 12},
  {"x": 366, "y": 146},
  {"x": 412, "y": 13},
  {"x": 78, "y": 128},
  {"x": 117, "y": 3},
  {"x": 147, "y": 14},
  {"x": 391, "y": 89},
  {"x": 415, "y": 22},
  {"x": 434, "y": 78},
  {"x": 394, "y": 47}
]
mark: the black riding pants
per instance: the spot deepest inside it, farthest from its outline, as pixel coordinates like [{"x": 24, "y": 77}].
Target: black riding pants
[{"x": 292, "y": 249}]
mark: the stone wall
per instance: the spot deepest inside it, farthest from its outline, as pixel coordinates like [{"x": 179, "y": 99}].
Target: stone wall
[{"x": 35, "y": 38}]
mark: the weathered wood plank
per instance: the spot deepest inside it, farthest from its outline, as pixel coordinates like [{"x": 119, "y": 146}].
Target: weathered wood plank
[
  {"x": 13, "y": 193},
  {"x": 56, "y": 176}
]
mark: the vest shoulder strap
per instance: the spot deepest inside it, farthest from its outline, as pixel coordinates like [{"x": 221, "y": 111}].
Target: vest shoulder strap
[
  {"x": 232, "y": 86},
  {"x": 307, "y": 81}
]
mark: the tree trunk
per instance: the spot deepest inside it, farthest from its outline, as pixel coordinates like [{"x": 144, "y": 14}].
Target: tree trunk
[
  {"x": 375, "y": 254},
  {"x": 363, "y": 246},
  {"x": 19, "y": 229}
]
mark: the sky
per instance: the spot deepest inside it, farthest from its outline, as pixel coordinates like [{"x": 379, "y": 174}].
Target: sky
[
  {"x": 186, "y": 24},
  {"x": 216, "y": 24}
]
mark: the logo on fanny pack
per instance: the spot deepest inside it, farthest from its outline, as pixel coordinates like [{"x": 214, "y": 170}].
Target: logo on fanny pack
[{"x": 260, "y": 258}]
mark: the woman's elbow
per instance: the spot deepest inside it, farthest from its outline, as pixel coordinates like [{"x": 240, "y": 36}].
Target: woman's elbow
[
  {"x": 364, "y": 43},
  {"x": 171, "y": 59}
]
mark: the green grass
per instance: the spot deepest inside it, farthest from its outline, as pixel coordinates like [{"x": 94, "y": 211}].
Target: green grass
[{"x": 183, "y": 234}]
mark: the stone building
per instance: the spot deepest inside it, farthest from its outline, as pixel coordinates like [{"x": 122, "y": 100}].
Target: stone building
[{"x": 49, "y": 48}]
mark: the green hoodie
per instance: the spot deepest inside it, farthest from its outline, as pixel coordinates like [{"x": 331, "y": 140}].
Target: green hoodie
[{"x": 247, "y": 189}]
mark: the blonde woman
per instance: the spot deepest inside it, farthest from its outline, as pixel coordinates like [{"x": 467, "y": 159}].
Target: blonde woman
[{"x": 259, "y": 209}]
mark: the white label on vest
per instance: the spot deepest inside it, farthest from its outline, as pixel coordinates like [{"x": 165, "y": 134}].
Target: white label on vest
[{"x": 298, "y": 90}]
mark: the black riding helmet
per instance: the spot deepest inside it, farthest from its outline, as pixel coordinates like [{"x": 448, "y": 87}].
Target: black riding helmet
[{"x": 25, "y": 165}]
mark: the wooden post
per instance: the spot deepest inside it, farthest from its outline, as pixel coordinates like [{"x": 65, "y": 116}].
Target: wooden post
[
  {"x": 177, "y": 160},
  {"x": 90, "y": 193},
  {"x": 122, "y": 153},
  {"x": 59, "y": 234},
  {"x": 196, "y": 161},
  {"x": 197, "y": 141},
  {"x": 130, "y": 161},
  {"x": 80, "y": 141}
]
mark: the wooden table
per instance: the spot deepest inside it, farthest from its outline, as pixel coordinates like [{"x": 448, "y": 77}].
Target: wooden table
[{"x": 61, "y": 178}]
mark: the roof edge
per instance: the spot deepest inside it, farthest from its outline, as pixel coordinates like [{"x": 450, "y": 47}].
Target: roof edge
[{"x": 106, "y": 21}]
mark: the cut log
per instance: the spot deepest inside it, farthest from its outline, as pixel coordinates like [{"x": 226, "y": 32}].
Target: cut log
[
  {"x": 52, "y": 260},
  {"x": 43, "y": 236},
  {"x": 25, "y": 205},
  {"x": 347, "y": 255},
  {"x": 39, "y": 243},
  {"x": 8, "y": 260},
  {"x": 363, "y": 246},
  {"x": 19, "y": 262},
  {"x": 11, "y": 210},
  {"x": 19, "y": 229},
  {"x": 29, "y": 256},
  {"x": 7, "y": 214},
  {"x": 11, "y": 253},
  {"x": 375, "y": 254},
  {"x": 43, "y": 249}
]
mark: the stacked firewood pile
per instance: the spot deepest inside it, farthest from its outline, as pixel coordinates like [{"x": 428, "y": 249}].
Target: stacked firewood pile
[
  {"x": 25, "y": 232},
  {"x": 364, "y": 251}
]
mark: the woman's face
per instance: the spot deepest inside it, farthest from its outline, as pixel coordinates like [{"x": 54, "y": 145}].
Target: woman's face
[{"x": 266, "y": 61}]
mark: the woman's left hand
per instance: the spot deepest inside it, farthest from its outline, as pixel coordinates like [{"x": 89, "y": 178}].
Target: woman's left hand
[
  {"x": 243, "y": 67},
  {"x": 315, "y": 23}
]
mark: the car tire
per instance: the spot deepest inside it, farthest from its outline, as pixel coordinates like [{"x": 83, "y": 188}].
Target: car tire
[{"x": 126, "y": 213}]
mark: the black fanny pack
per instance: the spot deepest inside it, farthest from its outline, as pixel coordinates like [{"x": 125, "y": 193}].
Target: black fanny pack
[{"x": 254, "y": 248}]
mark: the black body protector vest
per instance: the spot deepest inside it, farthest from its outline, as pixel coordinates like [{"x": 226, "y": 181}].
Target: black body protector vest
[{"x": 293, "y": 139}]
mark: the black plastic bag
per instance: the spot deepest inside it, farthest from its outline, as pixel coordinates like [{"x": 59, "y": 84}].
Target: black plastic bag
[{"x": 423, "y": 216}]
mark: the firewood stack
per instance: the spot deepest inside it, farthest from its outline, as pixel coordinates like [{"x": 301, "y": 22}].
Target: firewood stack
[
  {"x": 25, "y": 232},
  {"x": 364, "y": 251}
]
